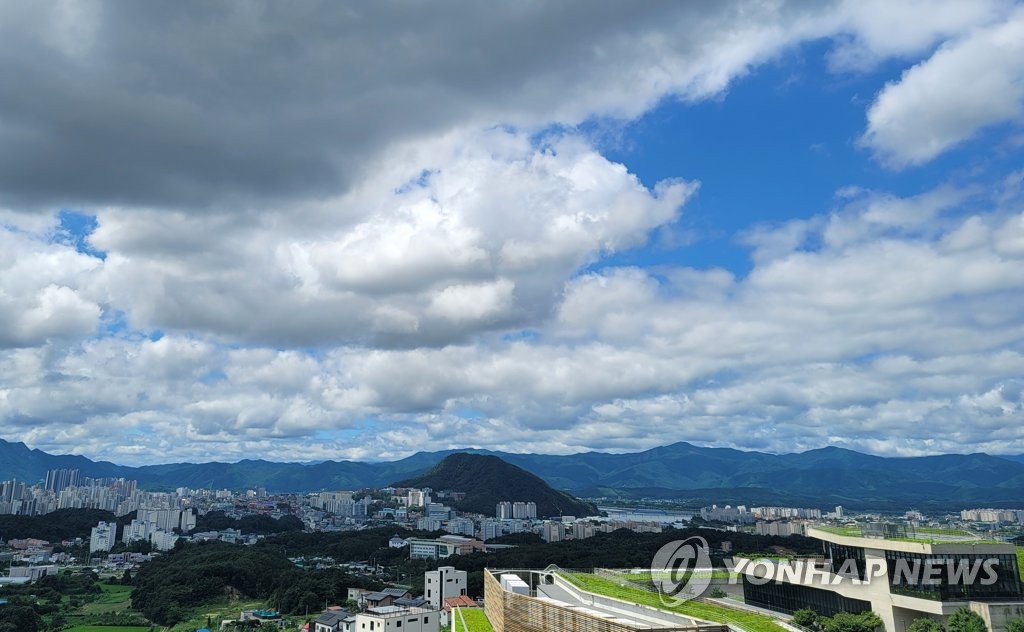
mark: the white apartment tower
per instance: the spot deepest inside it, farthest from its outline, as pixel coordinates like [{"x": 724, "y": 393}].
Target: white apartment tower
[{"x": 103, "y": 537}]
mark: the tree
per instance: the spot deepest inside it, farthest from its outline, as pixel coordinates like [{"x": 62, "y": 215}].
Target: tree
[
  {"x": 926, "y": 625},
  {"x": 848, "y": 622},
  {"x": 1015, "y": 625},
  {"x": 805, "y": 618},
  {"x": 965, "y": 620}
]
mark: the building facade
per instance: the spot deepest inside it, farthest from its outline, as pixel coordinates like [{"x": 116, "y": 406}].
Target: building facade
[
  {"x": 900, "y": 578},
  {"x": 443, "y": 583}
]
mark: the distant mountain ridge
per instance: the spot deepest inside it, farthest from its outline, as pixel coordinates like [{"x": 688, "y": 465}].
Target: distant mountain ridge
[
  {"x": 820, "y": 478},
  {"x": 487, "y": 480}
]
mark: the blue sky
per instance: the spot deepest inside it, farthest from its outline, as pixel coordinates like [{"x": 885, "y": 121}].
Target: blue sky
[{"x": 528, "y": 228}]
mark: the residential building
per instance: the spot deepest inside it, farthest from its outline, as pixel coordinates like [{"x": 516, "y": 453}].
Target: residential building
[
  {"x": 329, "y": 622},
  {"x": 462, "y": 601},
  {"x": 162, "y": 540},
  {"x": 552, "y": 531},
  {"x": 136, "y": 531},
  {"x": 393, "y": 618},
  {"x": 443, "y": 583},
  {"x": 887, "y": 569},
  {"x": 103, "y": 537},
  {"x": 382, "y": 598}
]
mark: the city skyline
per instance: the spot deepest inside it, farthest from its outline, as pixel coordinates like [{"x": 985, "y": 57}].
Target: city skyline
[{"x": 336, "y": 232}]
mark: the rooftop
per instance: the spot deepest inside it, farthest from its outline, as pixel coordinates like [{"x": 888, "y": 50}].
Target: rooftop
[{"x": 904, "y": 533}]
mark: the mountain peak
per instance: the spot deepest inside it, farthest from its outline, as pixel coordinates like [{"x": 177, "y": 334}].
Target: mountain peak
[{"x": 487, "y": 480}]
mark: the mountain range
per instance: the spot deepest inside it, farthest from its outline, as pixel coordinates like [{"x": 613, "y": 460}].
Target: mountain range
[{"x": 680, "y": 471}]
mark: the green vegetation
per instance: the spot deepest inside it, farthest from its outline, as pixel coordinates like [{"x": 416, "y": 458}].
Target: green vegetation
[
  {"x": 750, "y": 621},
  {"x": 848, "y": 622},
  {"x": 168, "y": 587},
  {"x": 805, "y": 618},
  {"x": 475, "y": 619},
  {"x": 965, "y": 620},
  {"x": 63, "y": 524},
  {"x": 213, "y": 613},
  {"x": 1020, "y": 561},
  {"x": 1015, "y": 625},
  {"x": 113, "y": 598},
  {"x": 487, "y": 480},
  {"x": 925, "y": 625},
  {"x": 173, "y": 588},
  {"x": 260, "y": 524},
  {"x": 109, "y": 628},
  {"x": 848, "y": 531}
]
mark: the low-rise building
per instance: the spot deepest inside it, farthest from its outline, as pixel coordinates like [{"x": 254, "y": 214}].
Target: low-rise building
[{"x": 393, "y": 618}]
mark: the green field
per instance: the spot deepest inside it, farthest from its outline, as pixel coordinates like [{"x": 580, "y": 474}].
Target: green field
[
  {"x": 216, "y": 612},
  {"x": 1020, "y": 559},
  {"x": 114, "y": 598},
  {"x": 476, "y": 621},
  {"x": 750, "y": 621}
]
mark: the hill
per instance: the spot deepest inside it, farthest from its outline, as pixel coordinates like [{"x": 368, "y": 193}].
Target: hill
[
  {"x": 823, "y": 478},
  {"x": 487, "y": 480}
]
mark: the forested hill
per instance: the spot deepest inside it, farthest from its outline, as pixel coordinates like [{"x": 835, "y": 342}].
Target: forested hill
[
  {"x": 487, "y": 480},
  {"x": 57, "y": 526}
]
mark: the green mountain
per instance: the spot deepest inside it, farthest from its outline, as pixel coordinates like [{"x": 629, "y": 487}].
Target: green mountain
[
  {"x": 820, "y": 478},
  {"x": 487, "y": 480}
]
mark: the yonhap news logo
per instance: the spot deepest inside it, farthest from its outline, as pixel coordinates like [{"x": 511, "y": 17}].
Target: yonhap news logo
[{"x": 681, "y": 570}]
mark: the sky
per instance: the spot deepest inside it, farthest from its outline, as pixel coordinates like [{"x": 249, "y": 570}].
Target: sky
[{"x": 334, "y": 230}]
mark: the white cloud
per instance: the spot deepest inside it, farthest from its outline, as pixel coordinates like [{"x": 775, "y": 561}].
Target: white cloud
[
  {"x": 44, "y": 290},
  {"x": 968, "y": 84},
  {"x": 905, "y": 334},
  {"x": 482, "y": 242}
]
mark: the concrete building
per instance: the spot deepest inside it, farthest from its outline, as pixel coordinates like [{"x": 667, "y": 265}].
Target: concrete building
[
  {"x": 445, "y": 546},
  {"x": 542, "y": 601},
  {"x": 103, "y": 537},
  {"x": 443, "y": 583},
  {"x": 887, "y": 569},
  {"x": 32, "y": 572},
  {"x": 162, "y": 540},
  {"x": 136, "y": 531},
  {"x": 398, "y": 619},
  {"x": 552, "y": 531}
]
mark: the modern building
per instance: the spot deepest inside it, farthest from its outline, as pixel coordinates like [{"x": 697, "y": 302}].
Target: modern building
[
  {"x": 330, "y": 622},
  {"x": 58, "y": 480},
  {"x": 389, "y": 618},
  {"x": 888, "y": 569},
  {"x": 445, "y": 546},
  {"x": 543, "y": 601},
  {"x": 443, "y": 583}
]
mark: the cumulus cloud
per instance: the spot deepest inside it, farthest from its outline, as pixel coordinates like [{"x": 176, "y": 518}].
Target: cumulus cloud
[
  {"x": 44, "y": 290},
  {"x": 968, "y": 84},
  {"x": 905, "y": 334},
  {"x": 468, "y": 234}
]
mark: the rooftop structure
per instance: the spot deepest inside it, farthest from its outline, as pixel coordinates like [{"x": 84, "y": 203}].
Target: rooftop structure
[{"x": 540, "y": 601}]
